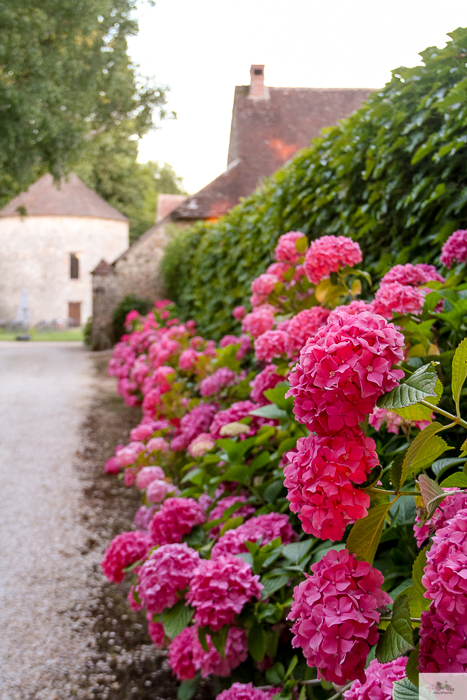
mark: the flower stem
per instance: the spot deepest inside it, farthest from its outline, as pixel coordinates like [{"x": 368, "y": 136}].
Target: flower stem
[{"x": 455, "y": 419}]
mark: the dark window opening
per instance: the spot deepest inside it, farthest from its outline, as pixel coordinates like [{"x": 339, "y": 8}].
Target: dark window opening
[
  {"x": 74, "y": 312},
  {"x": 74, "y": 266},
  {"x": 258, "y": 71}
]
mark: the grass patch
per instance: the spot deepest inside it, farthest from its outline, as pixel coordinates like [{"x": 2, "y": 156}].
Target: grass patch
[{"x": 65, "y": 335}]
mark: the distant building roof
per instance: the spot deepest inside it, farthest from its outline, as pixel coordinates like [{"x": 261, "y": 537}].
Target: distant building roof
[
  {"x": 269, "y": 125},
  {"x": 166, "y": 203},
  {"x": 71, "y": 198}
]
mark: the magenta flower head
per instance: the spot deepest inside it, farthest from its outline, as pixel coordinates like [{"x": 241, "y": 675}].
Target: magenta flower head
[
  {"x": 176, "y": 518},
  {"x": 219, "y": 589},
  {"x": 239, "y": 312},
  {"x": 445, "y": 576},
  {"x": 148, "y": 475},
  {"x": 259, "y": 321},
  {"x": 335, "y": 614},
  {"x": 211, "y": 662},
  {"x": 218, "y": 511},
  {"x": 412, "y": 275},
  {"x": 247, "y": 691},
  {"x": 124, "y": 550},
  {"x": 343, "y": 369},
  {"x": 395, "y": 298},
  {"x": 156, "y": 632},
  {"x": 221, "y": 379},
  {"x": 443, "y": 647},
  {"x": 263, "y": 528},
  {"x": 379, "y": 680},
  {"x": 237, "y": 411},
  {"x": 328, "y": 254},
  {"x": 263, "y": 285},
  {"x": 271, "y": 344},
  {"x": 181, "y": 655},
  {"x": 303, "y": 326},
  {"x": 264, "y": 380},
  {"x": 286, "y": 248},
  {"x": 322, "y": 477},
  {"x": 165, "y": 574},
  {"x": 455, "y": 249}
]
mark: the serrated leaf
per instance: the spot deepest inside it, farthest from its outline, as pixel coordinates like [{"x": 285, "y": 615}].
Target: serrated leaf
[
  {"x": 269, "y": 411},
  {"x": 419, "y": 386},
  {"x": 395, "y": 471},
  {"x": 219, "y": 639},
  {"x": 365, "y": 534},
  {"x": 429, "y": 488},
  {"x": 398, "y": 638},
  {"x": 177, "y": 618},
  {"x": 406, "y": 690},
  {"x": 187, "y": 689},
  {"x": 464, "y": 449},
  {"x": 257, "y": 642},
  {"x": 273, "y": 490},
  {"x": 296, "y": 551},
  {"x": 417, "y": 573},
  {"x": 411, "y": 669},
  {"x": 417, "y": 603},
  {"x": 418, "y": 412},
  {"x": 202, "y": 638},
  {"x": 459, "y": 479},
  {"x": 271, "y": 585},
  {"x": 441, "y": 464},
  {"x": 423, "y": 451},
  {"x": 459, "y": 371},
  {"x": 231, "y": 523}
]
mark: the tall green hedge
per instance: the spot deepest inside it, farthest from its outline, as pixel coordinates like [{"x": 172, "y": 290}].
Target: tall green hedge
[{"x": 393, "y": 176}]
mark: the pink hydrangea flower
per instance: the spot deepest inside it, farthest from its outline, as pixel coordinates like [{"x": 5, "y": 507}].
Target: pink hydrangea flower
[
  {"x": 391, "y": 419},
  {"x": 211, "y": 662},
  {"x": 123, "y": 551},
  {"x": 247, "y": 691},
  {"x": 271, "y": 344},
  {"x": 176, "y": 518},
  {"x": 329, "y": 253},
  {"x": 445, "y": 576},
  {"x": 264, "y": 528},
  {"x": 219, "y": 510},
  {"x": 148, "y": 475},
  {"x": 200, "y": 445},
  {"x": 343, "y": 370},
  {"x": 158, "y": 490},
  {"x": 144, "y": 516},
  {"x": 245, "y": 344},
  {"x": 335, "y": 614},
  {"x": 188, "y": 359},
  {"x": 156, "y": 632},
  {"x": 379, "y": 680},
  {"x": 197, "y": 421},
  {"x": 112, "y": 466},
  {"x": 157, "y": 444},
  {"x": 445, "y": 511},
  {"x": 264, "y": 380},
  {"x": 279, "y": 269},
  {"x": 236, "y": 412},
  {"x": 303, "y": 326},
  {"x": 398, "y": 299},
  {"x": 165, "y": 574},
  {"x": 263, "y": 285},
  {"x": 219, "y": 588},
  {"x": 455, "y": 249},
  {"x": 355, "y": 307},
  {"x": 239, "y": 312},
  {"x": 412, "y": 275},
  {"x": 321, "y": 479},
  {"x": 259, "y": 321},
  {"x": 443, "y": 648},
  {"x": 141, "y": 432},
  {"x": 181, "y": 655},
  {"x": 286, "y": 248},
  {"x": 222, "y": 378}
]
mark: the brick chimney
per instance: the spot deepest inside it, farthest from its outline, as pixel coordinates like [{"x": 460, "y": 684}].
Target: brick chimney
[{"x": 258, "y": 90}]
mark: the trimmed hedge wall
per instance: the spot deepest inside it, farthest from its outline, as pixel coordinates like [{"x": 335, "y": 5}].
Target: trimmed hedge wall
[{"x": 393, "y": 176}]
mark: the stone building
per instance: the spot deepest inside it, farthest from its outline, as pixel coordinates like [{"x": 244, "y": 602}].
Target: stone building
[
  {"x": 50, "y": 239},
  {"x": 269, "y": 125}
]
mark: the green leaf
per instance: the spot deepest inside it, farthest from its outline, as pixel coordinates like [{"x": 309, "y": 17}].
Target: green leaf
[
  {"x": 395, "y": 471},
  {"x": 231, "y": 523},
  {"x": 411, "y": 669},
  {"x": 297, "y": 551},
  {"x": 259, "y": 461},
  {"x": 419, "y": 386},
  {"x": 187, "y": 689},
  {"x": 322, "y": 551},
  {"x": 277, "y": 396},
  {"x": 275, "y": 675},
  {"x": 406, "y": 690},
  {"x": 441, "y": 464},
  {"x": 417, "y": 603},
  {"x": 417, "y": 573},
  {"x": 423, "y": 451},
  {"x": 459, "y": 479},
  {"x": 418, "y": 411},
  {"x": 219, "y": 639},
  {"x": 430, "y": 491},
  {"x": 365, "y": 534},
  {"x": 257, "y": 642},
  {"x": 238, "y": 473},
  {"x": 177, "y": 618},
  {"x": 271, "y": 585},
  {"x": 273, "y": 490},
  {"x": 398, "y": 638},
  {"x": 301, "y": 244},
  {"x": 459, "y": 371},
  {"x": 269, "y": 411}
]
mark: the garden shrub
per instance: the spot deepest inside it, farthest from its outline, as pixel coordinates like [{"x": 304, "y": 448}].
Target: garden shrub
[
  {"x": 392, "y": 176},
  {"x": 131, "y": 302}
]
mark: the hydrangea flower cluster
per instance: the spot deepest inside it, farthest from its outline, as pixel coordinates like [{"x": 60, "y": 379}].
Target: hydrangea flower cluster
[
  {"x": 222, "y": 377},
  {"x": 329, "y": 253},
  {"x": 335, "y": 614},
  {"x": 247, "y": 691},
  {"x": 412, "y": 275},
  {"x": 343, "y": 370},
  {"x": 219, "y": 510},
  {"x": 443, "y": 648},
  {"x": 156, "y": 632},
  {"x": 263, "y": 528},
  {"x": 147, "y": 475},
  {"x": 286, "y": 248},
  {"x": 176, "y": 518},
  {"x": 303, "y": 326},
  {"x": 219, "y": 588},
  {"x": 271, "y": 344},
  {"x": 392, "y": 421},
  {"x": 237, "y": 411},
  {"x": 379, "y": 680},
  {"x": 186, "y": 655},
  {"x": 455, "y": 249},
  {"x": 124, "y": 550},
  {"x": 397, "y": 298},
  {"x": 197, "y": 421},
  {"x": 446, "y": 510},
  {"x": 260, "y": 320},
  {"x": 165, "y": 573},
  {"x": 200, "y": 445},
  {"x": 321, "y": 479}
]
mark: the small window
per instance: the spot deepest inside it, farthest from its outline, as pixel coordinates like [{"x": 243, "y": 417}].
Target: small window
[
  {"x": 74, "y": 312},
  {"x": 74, "y": 266},
  {"x": 258, "y": 71}
]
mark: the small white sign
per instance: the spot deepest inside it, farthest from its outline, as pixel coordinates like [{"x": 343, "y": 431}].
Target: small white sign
[{"x": 444, "y": 686}]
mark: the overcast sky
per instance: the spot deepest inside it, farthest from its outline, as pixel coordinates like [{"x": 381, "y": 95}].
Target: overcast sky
[{"x": 203, "y": 48}]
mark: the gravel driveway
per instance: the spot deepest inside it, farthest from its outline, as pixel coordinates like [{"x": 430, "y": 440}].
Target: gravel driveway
[{"x": 44, "y": 392}]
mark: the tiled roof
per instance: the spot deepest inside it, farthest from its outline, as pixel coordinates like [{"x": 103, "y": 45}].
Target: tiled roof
[
  {"x": 71, "y": 198},
  {"x": 265, "y": 134}
]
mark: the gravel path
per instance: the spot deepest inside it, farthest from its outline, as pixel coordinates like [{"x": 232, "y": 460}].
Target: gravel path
[{"x": 44, "y": 393}]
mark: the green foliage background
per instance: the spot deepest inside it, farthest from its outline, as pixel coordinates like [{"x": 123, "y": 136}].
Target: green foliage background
[{"x": 392, "y": 176}]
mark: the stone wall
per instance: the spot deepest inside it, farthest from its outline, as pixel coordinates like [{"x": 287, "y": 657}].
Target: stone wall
[
  {"x": 35, "y": 255},
  {"x": 137, "y": 271}
]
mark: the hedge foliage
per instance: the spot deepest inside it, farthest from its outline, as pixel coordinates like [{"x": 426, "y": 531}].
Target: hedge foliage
[{"x": 392, "y": 176}]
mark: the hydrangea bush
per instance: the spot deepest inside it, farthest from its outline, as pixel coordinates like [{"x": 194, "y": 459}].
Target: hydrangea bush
[{"x": 301, "y": 534}]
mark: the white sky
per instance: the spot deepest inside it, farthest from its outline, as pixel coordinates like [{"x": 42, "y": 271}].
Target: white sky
[{"x": 203, "y": 48}]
